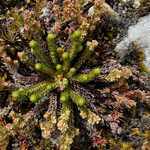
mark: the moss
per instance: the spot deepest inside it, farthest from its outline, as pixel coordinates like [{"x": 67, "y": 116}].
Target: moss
[
  {"x": 126, "y": 146},
  {"x": 143, "y": 68}
]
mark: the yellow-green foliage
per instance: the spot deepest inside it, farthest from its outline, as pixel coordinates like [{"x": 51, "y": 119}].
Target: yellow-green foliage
[
  {"x": 59, "y": 69},
  {"x": 24, "y": 21}
]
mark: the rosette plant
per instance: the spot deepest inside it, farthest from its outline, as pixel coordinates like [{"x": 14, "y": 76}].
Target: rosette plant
[
  {"x": 58, "y": 66},
  {"x": 60, "y": 71}
]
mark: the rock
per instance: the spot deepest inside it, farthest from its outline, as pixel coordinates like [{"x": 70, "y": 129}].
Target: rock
[{"x": 139, "y": 33}]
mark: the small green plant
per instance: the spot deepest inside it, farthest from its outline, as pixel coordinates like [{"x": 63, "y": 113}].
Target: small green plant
[
  {"x": 59, "y": 69},
  {"x": 62, "y": 69}
]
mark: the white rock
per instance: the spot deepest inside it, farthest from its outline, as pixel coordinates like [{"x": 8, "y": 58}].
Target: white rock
[{"x": 139, "y": 33}]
